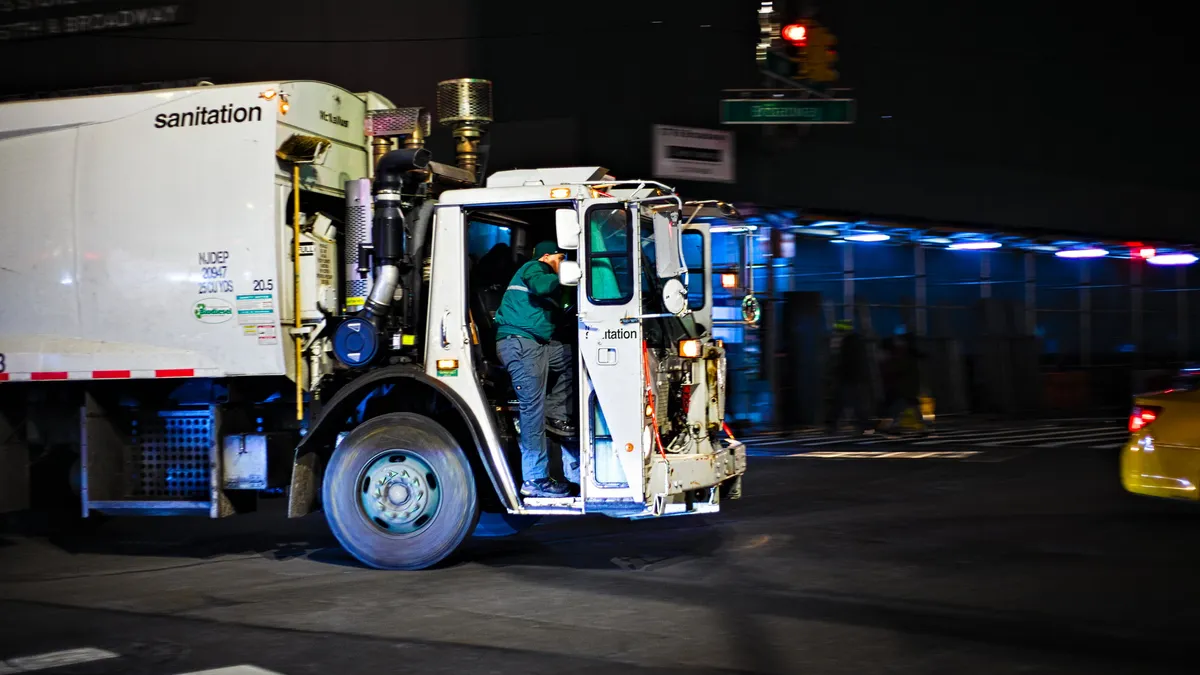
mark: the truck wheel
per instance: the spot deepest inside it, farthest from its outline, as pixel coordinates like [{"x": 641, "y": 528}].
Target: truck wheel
[{"x": 399, "y": 494}]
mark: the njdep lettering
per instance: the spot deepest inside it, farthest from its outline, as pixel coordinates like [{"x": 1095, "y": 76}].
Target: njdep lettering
[
  {"x": 620, "y": 334},
  {"x": 203, "y": 116},
  {"x": 334, "y": 119}
]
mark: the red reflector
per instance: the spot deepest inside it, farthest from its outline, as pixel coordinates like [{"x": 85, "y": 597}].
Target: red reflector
[
  {"x": 687, "y": 397},
  {"x": 3, "y": 377},
  {"x": 36, "y": 377},
  {"x": 110, "y": 374},
  {"x": 178, "y": 372},
  {"x": 1142, "y": 417}
]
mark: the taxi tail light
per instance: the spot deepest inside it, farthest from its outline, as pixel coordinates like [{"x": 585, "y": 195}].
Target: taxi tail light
[
  {"x": 686, "y": 397},
  {"x": 1142, "y": 417}
]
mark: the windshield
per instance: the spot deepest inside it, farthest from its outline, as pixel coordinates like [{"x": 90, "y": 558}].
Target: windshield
[{"x": 660, "y": 331}]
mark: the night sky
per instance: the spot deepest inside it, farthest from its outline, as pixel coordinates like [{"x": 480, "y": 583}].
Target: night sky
[
  {"x": 1075, "y": 91},
  {"x": 1044, "y": 116}
]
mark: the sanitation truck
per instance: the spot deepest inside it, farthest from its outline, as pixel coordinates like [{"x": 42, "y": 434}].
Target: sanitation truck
[{"x": 218, "y": 292}]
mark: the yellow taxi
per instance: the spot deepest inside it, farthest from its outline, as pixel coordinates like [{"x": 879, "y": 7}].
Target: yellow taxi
[{"x": 1162, "y": 457}]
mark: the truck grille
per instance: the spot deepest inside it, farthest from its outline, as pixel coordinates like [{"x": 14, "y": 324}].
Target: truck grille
[
  {"x": 172, "y": 455},
  {"x": 397, "y": 122},
  {"x": 662, "y": 402}
]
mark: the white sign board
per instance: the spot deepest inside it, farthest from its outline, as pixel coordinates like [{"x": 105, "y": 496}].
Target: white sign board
[{"x": 693, "y": 154}]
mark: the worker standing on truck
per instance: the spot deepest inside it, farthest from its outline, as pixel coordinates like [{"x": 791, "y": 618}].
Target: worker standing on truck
[{"x": 525, "y": 327}]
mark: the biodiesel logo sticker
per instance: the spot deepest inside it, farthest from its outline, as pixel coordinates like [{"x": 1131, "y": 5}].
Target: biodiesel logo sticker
[{"x": 212, "y": 310}]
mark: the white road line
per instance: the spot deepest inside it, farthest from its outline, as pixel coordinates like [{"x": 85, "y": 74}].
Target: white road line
[
  {"x": 1032, "y": 433},
  {"x": 948, "y": 435},
  {"x": 794, "y": 439},
  {"x": 59, "y": 659},
  {"x": 1114, "y": 446},
  {"x": 878, "y": 439},
  {"x": 963, "y": 436},
  {"x": 234, "y": 670}
]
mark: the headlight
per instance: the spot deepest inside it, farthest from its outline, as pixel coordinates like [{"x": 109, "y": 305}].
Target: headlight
[{"x": 689, "y": 349}]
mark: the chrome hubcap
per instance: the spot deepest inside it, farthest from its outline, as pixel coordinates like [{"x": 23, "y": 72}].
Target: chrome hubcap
[{"x": 399, "y": 492}]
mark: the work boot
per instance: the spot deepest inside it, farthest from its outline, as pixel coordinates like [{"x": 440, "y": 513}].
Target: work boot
[
  {"x": 560, "y": 428},
  {"x": 545, "y": 487}
]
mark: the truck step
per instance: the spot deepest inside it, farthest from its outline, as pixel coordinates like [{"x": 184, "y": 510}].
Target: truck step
[
  {"x": 152, "y": 508},
  {"x": 554, "y": 504}
]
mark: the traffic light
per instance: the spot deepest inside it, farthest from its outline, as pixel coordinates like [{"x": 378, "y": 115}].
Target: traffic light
[
  {"x": 821, "y": 56},
  {"x": 795, "y": 38},
  {"x": 796, "y": 34}
]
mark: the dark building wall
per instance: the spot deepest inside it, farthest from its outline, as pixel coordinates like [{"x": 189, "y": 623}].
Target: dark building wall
[{"x": 376, "y": 46}]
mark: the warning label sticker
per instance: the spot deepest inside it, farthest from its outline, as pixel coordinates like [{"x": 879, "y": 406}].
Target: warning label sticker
[
  {"x": 267, "y": 335},
  {"x": 255, "y": 309}
]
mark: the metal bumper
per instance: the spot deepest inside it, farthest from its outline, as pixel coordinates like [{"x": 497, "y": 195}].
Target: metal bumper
[{"x": 678, "y": 474}]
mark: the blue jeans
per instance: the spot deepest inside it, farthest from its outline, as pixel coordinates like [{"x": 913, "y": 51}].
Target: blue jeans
[{"x": 530, "y": 365}]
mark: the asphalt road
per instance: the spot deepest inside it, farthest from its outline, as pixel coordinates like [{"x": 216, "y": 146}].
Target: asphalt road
[{"x": 1001, "y": 559}]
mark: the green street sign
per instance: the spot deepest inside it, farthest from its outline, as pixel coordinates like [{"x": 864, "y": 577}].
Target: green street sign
[{"x": 780, "y": 111}]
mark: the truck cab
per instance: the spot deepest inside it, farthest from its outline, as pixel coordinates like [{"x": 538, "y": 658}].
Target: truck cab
[{"x": 650, "y": 391}]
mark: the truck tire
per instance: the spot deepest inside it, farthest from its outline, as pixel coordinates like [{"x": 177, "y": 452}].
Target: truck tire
[{"x": 399, "y": 493}]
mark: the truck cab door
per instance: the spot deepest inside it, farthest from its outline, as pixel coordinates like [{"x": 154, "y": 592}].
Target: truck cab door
[{"x": 613, "y": 431}]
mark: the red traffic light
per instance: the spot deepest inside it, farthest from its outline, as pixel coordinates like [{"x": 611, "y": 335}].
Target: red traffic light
[{"x": 795, "y": 33}]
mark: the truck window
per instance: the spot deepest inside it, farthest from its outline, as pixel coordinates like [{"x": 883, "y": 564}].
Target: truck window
[
  {"x": 693, "y": 257},
  {"x": 659, "y": 330},
  {"x": 609, "y": 256}
]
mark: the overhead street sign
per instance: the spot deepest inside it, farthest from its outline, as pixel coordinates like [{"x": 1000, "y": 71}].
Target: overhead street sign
[{"x": 782, "y": 111}]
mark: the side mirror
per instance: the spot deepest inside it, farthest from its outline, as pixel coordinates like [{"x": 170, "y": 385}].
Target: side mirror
[
  {"x": 666, "y": 247},
  {"x": 569, "y": 273},
  {"x": 566, "y": 225},
  {"x": 675, "y": 297}
]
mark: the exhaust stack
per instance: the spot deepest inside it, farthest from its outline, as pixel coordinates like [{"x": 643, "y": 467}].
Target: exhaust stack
[
  {"x": 359, "y": 277},
  {"x": 465, "y": 105}
]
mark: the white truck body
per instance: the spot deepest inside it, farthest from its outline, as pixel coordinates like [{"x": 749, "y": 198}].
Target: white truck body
[
  {"x": 150, "y": 236},
  {"x": 145, "y": 235}
]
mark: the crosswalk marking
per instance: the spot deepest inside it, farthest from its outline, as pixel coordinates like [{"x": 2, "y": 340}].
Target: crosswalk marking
[
  {"x": 992, "y": 436},
  {"x": 957, "y": 436},
  {"x": 234, "y": 670},
  {"x": 1071, "y": 435},
  {"x": 1032, "y": 435},
  {"x": 74, "y": 657},
  {"x": 879, "y": 454},
  {"x": 1084, "y": 438},
  {"x": 59, "y": 659}
]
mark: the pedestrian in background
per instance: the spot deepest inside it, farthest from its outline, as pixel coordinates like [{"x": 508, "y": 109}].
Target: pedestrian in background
[
  {"x": 904, "y": 371},
  {"x": 849, "y": 378}
]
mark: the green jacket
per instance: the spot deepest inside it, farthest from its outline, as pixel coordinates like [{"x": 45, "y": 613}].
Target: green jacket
[{"x": 530, "y": 304}]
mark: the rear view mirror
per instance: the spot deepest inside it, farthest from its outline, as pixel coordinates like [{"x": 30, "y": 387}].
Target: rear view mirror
[
  {"x": 569, "y": 272},
  {"x": 566, "y": 225}
]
